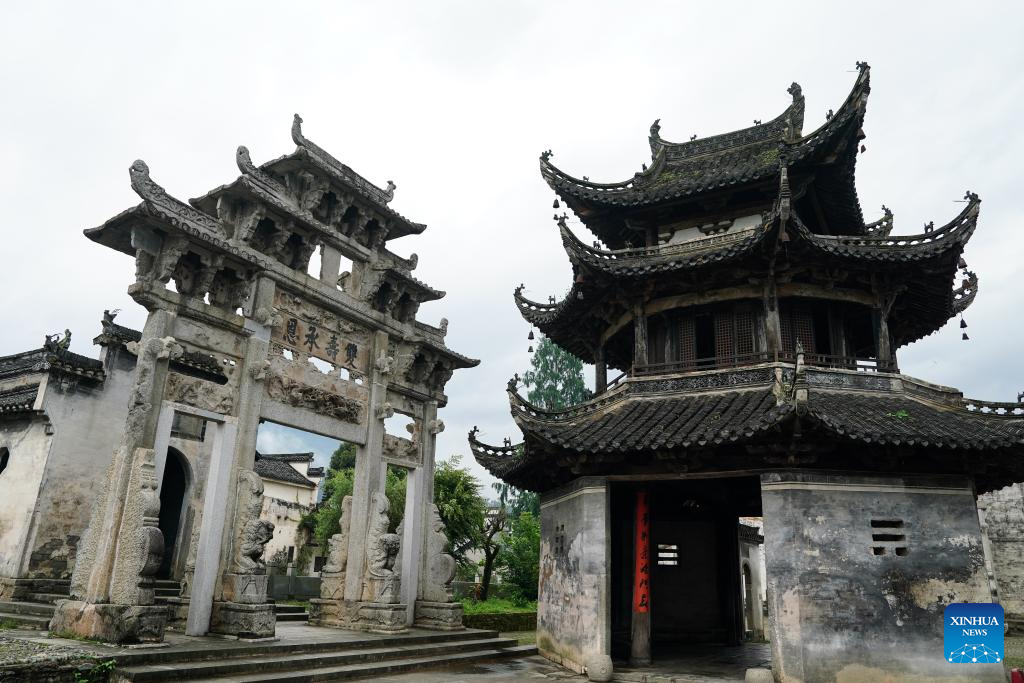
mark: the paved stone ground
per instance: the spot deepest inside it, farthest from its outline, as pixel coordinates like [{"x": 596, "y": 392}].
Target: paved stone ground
[
  {"x": 1015, "y": 652},
  {"x": 40, "y": 656},
  {"x": 527, "y": 669}
]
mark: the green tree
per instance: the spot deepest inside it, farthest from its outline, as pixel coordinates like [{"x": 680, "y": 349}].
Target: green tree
[
  {"x": 327, "y": 516},
  {"x": 456, "y": 493},
  {"x": 461, "y": 507},
  {"x": 343, "y": 458},
  {"x": 556, "y": 377},
  {"x": 519, "y": 560}
]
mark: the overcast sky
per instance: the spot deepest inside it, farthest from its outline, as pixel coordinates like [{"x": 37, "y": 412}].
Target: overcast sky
[{"x": 454, "y": 102}]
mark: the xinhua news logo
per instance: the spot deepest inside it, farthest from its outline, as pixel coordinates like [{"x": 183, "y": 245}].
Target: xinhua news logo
[{"x": 973, "y": 633}]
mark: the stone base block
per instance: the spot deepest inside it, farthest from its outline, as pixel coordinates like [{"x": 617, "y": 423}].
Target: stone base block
[
  {"x": 122, "y": 624},
  {"x": 440, "y": 616},
  {"x": 381, "y": 589},
  {"x": 332, "y": 585},
  {"x": 246, "y": 589},
  {"x": 324, "y": 612},
  {"x": 375, "y": 617},
  {"x": 242, "y": 620},
  {"x": 177, "y": 613},
  {"x": 379, "y": 617},
  {"x": 599, "y": 667}
]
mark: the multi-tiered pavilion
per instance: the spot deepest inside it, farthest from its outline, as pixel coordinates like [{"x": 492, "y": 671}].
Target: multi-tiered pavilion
[{"x": 756, "y": 317}]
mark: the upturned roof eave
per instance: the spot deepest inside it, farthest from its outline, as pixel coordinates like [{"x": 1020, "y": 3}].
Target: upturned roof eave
[{"x": 583, "y": 195}]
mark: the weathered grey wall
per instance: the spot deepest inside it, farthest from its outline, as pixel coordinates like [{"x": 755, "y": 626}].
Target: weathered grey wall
[
  {"x": 573, "y": 613},
  {"x": 838, "y": 612},
  {"x": 86, "y": 426},
  {"x": 1003, "y": 512},
  {"x": 28, "y": 443}
]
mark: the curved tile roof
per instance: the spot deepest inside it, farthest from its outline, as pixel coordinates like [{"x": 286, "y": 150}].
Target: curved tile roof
[
  {"x": 644, "y": 418},
  {"x": 749, "y": 155}
]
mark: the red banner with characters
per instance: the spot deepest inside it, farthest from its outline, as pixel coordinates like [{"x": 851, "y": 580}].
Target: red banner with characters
[{"x": 642, "y": 569}]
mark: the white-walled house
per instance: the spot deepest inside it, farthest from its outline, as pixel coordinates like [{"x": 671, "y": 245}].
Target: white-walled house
[{"x": 290, "y": 490}]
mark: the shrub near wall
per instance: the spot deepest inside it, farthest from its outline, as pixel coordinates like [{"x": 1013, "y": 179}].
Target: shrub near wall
[
  {"x": 499, "y": 615},
  {"x": 511, "y": 621}
]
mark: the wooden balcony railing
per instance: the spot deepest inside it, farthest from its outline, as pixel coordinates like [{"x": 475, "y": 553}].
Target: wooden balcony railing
[{"x": 719, "y": 363}]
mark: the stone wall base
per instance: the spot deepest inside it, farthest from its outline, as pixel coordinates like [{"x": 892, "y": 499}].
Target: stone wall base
[
  {"x": 375, "y": 617},
  {"x": 177, "y": 613},
  {"x": 242, "y": 620},
  {"x": 440, "y": 616},
  {"x": 122, "y": 624}
]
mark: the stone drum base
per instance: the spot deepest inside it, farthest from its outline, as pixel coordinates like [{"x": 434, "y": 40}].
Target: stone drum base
[
  {"x": 122, "y": 624},
  {"x": 440, "y": 616},
  {"x": 375, "y": 617},
  {"x": 243, "y": 620}
]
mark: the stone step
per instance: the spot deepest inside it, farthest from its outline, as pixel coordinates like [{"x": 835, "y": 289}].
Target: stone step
[
  {"x": 38, "y": 609},
  {"x": 383, "y": 668},
  {"x": 167, "y": 592},
  {"x": 292, "y": 616},
  {"x": 48, "y": 597},
  {"x": 324, "y": 666},
  {"x": 296, "y": 648},
  {"x": 24, "y": 620},
  {"x": 167, "y": 583},
  {"x": 288, "y": 609}
]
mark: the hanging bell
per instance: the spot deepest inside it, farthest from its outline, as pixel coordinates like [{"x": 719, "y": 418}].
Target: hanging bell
[
  {"x": 555, "y": 205},
  {"x": 530, "y": 336},
  {"x": 530, "y": 350},
  {"x": 963, "y": 324},
  {"x": 965, "y": 337}
]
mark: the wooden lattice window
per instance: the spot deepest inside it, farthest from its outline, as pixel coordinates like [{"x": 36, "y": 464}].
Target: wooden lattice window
[
  {"x": 725, "y": 337},
  {"x": 687, "y": 342},
  {"x": 734, "y": 335},
  {"x": 797, "y": 324}
]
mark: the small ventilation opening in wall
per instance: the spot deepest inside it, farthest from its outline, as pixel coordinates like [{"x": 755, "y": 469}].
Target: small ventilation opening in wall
[
  {"x": 885, "y": 534},
  {"x": 668, "y": 554}
]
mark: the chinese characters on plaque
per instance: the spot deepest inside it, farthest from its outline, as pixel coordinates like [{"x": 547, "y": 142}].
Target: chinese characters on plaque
[{"x": 318, "y": 341}]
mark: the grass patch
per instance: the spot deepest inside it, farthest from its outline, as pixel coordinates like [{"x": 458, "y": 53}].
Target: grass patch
[
  {"x": 496, "y": 606},
  {"x": 296, "y": 603},
  {"x": 6, "y": 624},
  {"x": 100, "y": 672}
]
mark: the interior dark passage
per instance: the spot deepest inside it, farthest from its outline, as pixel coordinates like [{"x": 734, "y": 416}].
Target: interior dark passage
[
  {"x": 172, "y": 497},
  {"x": 696, "y": 585}
]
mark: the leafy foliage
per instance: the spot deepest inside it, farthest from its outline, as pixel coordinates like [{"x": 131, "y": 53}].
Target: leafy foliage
[
  {"x": 556, "y": 379},
  {"x": 462, "y": 509},
  {"x": 519, "y": 561}
]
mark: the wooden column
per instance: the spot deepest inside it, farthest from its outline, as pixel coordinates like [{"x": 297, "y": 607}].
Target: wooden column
[
  {"x": 885, "y": 302},
  {"x": 884, "y": 340},
  {"x": 772, "y": 324},
  {"x": 639, "y": 335},
  {"x": 640, "y": 647},
  {"x": 600, "y": 372}
]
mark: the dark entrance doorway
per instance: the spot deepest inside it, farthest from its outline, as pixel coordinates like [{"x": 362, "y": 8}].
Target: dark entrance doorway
[
  {"x": 172, "y": 498},
  {"x": 696, "y": 586}
]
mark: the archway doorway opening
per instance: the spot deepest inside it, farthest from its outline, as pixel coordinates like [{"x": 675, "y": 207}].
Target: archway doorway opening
[{"x": 173, "y": 490}]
